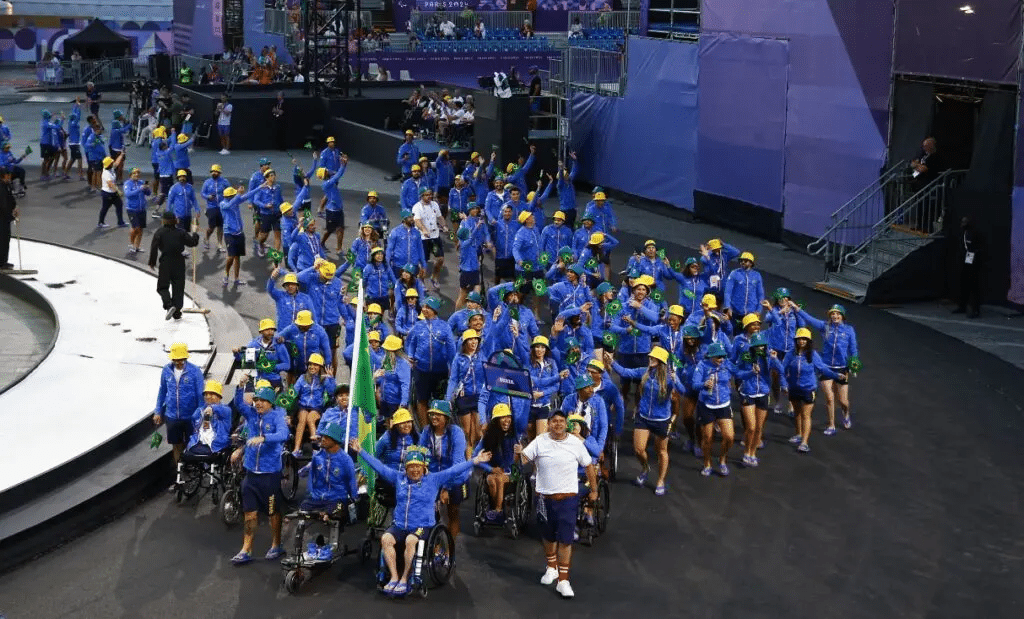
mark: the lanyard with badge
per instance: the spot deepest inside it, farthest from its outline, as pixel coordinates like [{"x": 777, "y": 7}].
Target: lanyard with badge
[{"x": 968, "y": 254}]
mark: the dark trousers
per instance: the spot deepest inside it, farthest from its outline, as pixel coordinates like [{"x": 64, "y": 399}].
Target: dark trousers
[
  {"x": 170, "y": 283},
  {"x": 5, "y": 242},
  {"x": 970, "y": 288},
  {"x": 112, "y": 199},
  {"x": 570, "y": 220},
  {"x": 18, "y": 173}
]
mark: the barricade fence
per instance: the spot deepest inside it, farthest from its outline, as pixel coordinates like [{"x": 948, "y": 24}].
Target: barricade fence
[
  {"x": 422, "y": 21},
  {"x": 594, "y": 70},
  {"x": 77, "y": 73},
  {"x": 602, "y": 20}
]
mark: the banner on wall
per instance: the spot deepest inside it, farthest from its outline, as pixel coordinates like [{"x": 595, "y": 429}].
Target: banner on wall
[{"x": 457, "y": 69}]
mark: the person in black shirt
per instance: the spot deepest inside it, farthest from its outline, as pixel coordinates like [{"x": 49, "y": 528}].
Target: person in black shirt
[
  {"x": 927, "y": 166},
  {"x": 970, "y": 250},
  {"x": 171, "y": 242},
  {"x": 8, "y": 213}
]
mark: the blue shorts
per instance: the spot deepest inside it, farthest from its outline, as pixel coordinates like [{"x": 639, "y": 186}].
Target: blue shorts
[
  {"x": 261, "y": 492},
  {"x": 178, "y": 430},
  {"x": 224, "y": 130},
  {"x": 137, "y": 219},
  {"x": 333, "y": 333},
  {"x": 760, "y": 401},
  {"x": 335, "y": 220},
  {"x": 235, "y": 245},
  {"x": 270, "y": 221},
  {"x": 427, "y": 384},
  {"x": 657, "y": 428},
  {"x": 466, "y": 404},
  {"x": 457, "y": 494},
  {"x": 400, "y": 534},
  {"x": 807, "y": 397},
  {"x": 469, "y": 279},
  {"x": 76, "y": 152},
  {"x": 336, "y": 509},
  {"x": 540, "y": 412},
  {"x": 214, "y": 219},
  {"x": 561, "y": 519},
  {"x": 707, "y": 415}
]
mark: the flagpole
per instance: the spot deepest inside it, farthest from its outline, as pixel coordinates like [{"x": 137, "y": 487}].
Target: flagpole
[{"x": 356, "y": 347}]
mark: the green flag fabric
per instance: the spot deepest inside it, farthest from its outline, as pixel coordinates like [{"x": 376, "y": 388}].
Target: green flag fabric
[{"x": 363, "y": 399}]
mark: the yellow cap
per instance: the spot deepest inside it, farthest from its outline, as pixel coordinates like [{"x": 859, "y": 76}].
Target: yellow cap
[
  {"x": 416, "y": 168},
  {"x": 182, "y": 174},
  {"x": 304, "y": 318},
  {"x": 645, "y": 280},
  {"x": 213, "y": 386},
  {"x": 750, "y": 319},
  {"x": 372, "y": 194},
  {"x": 392, "y": 343},
  {"x": 182, "y": 138},
  {"x": 329, "y": 139},
  {"x": 409, "y": 132},
  {"x": 501, "y": 410},
  {"x": 747, "y": 256},
  {"x": 268, "y": 172},
  {"x": 215, "y": 168},
  {"x": 373, "y": 336},
  {"x": 327, "y": 269},
  {"x": 523, "y": 216},
  {"x": 676, "y": 310},
  {"x": 267, "y": 323},
  {"x": 599, "y": 196},
  {"x": 509, "y": 168},
  {"x": 649, "y": 242},
  {"x": 803, "y": 332},
  {"x": 472, "y": 156},
  {"x": 540, "y": 340},
  {"x": 424, "y": 158},
  {"x": 710, "y": 301},
  {"x": 559, "y": 215},
  {"x": 290, "y": 278},
  {"x": 596, "y": 364},
  {"x": 230, "y": 191},
  {"x": 469, "y": 334},
  {"x": 530, "y": 196},
  {"x": 596, "y": 238},
  {"x": 178, "y": 351},
  {"x": 412, "y": 292},
  {"x": 261, "y": 383},
  {"x": 107, "y": 162},
  {"x": 321, "y": 173},
  {"x": 659, "y": 353},
  {"x": 316, "y": 358},
  {"x": 402, "y": 415},
  {"x": 715, "y": 244},
  {"x": 374, "y": 308}
]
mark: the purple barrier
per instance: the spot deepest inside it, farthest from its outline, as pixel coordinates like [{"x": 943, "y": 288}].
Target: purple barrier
[{"x": 459, "y": 69}]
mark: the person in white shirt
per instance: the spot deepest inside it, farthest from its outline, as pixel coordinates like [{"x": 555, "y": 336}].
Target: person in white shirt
[
  {"x": 430, "y": 222},
  {"x": 448, "y": 29},
  {"x": 480, "y": 30},
  {"x": 151, "y": 122},
  {"x": 557, "y": 456},
  {"x": 224, "y": 109},
  {"x": 111, "y": 193}
]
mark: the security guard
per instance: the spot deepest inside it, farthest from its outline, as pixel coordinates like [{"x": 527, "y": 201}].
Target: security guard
[{"x": 171, "y": 243}]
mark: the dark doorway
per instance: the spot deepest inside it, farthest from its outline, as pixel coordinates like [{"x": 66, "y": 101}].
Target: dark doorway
[{"x": 953, "y": 124}]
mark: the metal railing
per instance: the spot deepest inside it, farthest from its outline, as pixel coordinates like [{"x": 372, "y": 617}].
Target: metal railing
[
  {"x": 851, "y": 222},
  {"x": 227, "y": 70},
  {"x": 425, "y": 21},
  {"x": 602, "y": 20},
  {"x": 923, "y": 214},
  {"x": 76, "y": 73},
  {"x": 593, "y": 70},
  {"x": 275, "y": 21}
]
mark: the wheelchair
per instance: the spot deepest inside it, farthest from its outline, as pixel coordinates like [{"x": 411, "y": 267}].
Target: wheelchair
[
  {"x": 433, "y": 563},
  {"x": 202, "y": 471},
  {"x": 517, "y": 504},
  {"x": 590, "y": 529},
  {"x": 298, "y": 565},
  {"x": 610, "y": 464}
]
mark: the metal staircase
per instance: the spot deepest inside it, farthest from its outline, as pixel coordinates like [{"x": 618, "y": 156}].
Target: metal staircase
[{"x": 880, "y": 227}]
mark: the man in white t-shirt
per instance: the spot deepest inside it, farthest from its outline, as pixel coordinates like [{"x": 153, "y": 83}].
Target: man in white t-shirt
[
  {"x": 448, "y": 29},
  {"x": 224, "y": 109},
  {"x": 557, "y": 456},
  {"x": 430, "y": 222}
]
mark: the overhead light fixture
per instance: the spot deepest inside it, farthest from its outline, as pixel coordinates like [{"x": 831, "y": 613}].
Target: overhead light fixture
[{"x": 967, "y": 9}]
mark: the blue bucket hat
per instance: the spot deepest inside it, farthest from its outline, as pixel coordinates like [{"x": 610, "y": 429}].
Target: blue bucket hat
[
  {"x": 264, "y": 161},
  {"x": 474, "y": 297},
  {"x": 838, "y": 308},
  {"x": 442, "y": 407},
  {"x": 759, "y": 339},
  {"x": 583, "y": 381},
  {"x": 335, "y": 433},
  {"x": 578, "y": 269},
  {"x": 405, "y": 214},
  {"x": 691, "y": 331},
  {"x": 782, "y": 293},
  {"x": 715, "y": 350},
  {"x": 690, "y": 261},
  {"x": 46, "y": 113},
  {"x": 433, "y": 303},
  {"x": 265, "y": 393},
  {"x": 410, "y": 269},
  {"x": 603, "y": 288},
  {"x": 572, "y": 343}
]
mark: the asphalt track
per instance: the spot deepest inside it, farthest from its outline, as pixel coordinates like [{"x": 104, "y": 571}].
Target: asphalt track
[{"x": 913, "y": 513}]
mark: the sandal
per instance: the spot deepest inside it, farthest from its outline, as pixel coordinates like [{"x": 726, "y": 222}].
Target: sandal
[
  {"x": 847, "y": 422},
  {"x": 401, "y": 589},
  {"x": 660, "y": 490},
  {"x": 241, "y": 558},
  {"x": 389, "y": 589}
]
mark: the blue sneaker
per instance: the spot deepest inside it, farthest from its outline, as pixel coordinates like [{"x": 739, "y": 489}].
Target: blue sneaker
[
  {"x": 275, "y": 552},
  {"x": 698, "y": 452},
  {"x": 847, "y": 422},
  {"x": 641, "y": 479},
  {"x": 746, "y": 460},
  {"x": 706, "y": 471},
  {"x": 241, "y": 558},
  {"x": 803, "y": 448},
  {"x": 795, "y": 439},
  {"x": 660, "y": 490},
  {"x": 325, "y": 553},
  {"x": 311, "y": 551},
  {"x": 754, "y": 462},
  {"x": 723, "y": 469},
  {"x": 830, "y": 431}
]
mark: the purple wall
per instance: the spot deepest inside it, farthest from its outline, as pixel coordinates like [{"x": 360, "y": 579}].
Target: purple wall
[
  {"x": 837, "y": 97},
  {"x": 198, "y": 26},
  {"x": 934, "y": 37}
]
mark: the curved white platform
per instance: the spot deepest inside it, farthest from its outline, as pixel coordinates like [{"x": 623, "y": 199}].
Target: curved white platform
[{"x": 103, "y": 374}]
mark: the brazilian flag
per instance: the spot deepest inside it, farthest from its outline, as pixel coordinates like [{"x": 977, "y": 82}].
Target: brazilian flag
[
  {"x": 514, "y": 312},
  {"x": 350, "y": 257},
  {"x": 855, "y": 364},
  {"x": 661, "y": 254},
  {"x": 688, "y": 293},
  {"x": 274, "y": 256},
  {"x": 614, "y": 307},
  {"x": 677, "y": 266},
  {"x": 519, "y": 283},
  {"x": 657, "y": 295},
  {"x": 634, "y": 332},
  {"x": 611, "y": 340},
  {"x": 565, "y": 256},
  {"x": 573, "y": 356},
  {"x": 540, "y": 287},
  {"x": 527, "y": 266},
  {"x": 293, "y": 350},
  {"x": 353, "y": 286},
  {"x": 545, "y": 259},
  {"x": 263, "y": 364},
  {"x": 591, "y": 264},
  {"x": 292, "y": 393},
  {"x": 284, "y": 401}
]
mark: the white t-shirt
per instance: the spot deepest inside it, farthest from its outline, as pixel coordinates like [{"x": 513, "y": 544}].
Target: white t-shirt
[
  {"x": 108, "y": 176},
  {"x": 448, "y": 29},
  {"x": 225, "y": 115},
  {"x": 557, "y": 463},
  {"x": 428, "y": 214},
  {"x": 177, "y": 374}
]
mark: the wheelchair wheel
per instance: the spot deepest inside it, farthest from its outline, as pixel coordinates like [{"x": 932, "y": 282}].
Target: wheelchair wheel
[
  {"x": 293, "y": 579},
  {"x": 523, "y": 502},
  {"x": 440, "y": 558},
  {"x": 365, "y": 551},
  {"x": 480, "y": 504},
  {"x": 231, "y": 507},
  {"x": 604, "y": 505},
  {"x": 289, "y": 477},
  {"x": 192, "y": 478}
]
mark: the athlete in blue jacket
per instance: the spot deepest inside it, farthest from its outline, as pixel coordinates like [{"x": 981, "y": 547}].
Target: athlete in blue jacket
[
  {"x": 592, "y": 408},
  {"x": 415, "y": 495},
  {"x": 332, "y": 474},
  {"x": 839, "y": 352},
  {"x": 431, "y": 347},
  {"x": 715, "y": 257},
  {"x": 465, "y": 381},
  {"x": 181, "y": 199},
  {"x": 405, "y": 246},
  {"x": 445, "y": 442},
  {"x": 213, "y": 192},
  {"x": 712, "y": 380},
  {"x": 181, "y": 391},
  {"x": 744, "y": 289},
  {"x": 308, "y": 337},
  {"x": 313, "y": 391},
  {"x": 802, "y": 369},
  {"x": 754, "y": 368}
]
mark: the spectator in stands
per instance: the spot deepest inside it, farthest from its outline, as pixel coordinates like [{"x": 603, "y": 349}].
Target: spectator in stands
[
  {"x": 526, "y": 30},
  {"x": 576, "y": 29},
  {"x": 382, "y": 74},
  {"x": 480, "y": 31},
  {"x": 447, "y": 28}
]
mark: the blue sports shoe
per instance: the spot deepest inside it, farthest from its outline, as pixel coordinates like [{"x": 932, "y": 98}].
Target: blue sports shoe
[
  {"x": 311, "y": 551},
  {"x": 325, "y": 553},
  {"x": 275, "y": 552}
]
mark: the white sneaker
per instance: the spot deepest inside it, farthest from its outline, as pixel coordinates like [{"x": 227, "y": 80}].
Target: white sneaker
[
  {"x": 564, "y": 589},
  {"x": 549, "y": 577}
]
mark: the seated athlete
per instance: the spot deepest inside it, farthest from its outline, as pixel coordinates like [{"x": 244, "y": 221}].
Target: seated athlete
[{"x": 413, "y": 516}]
